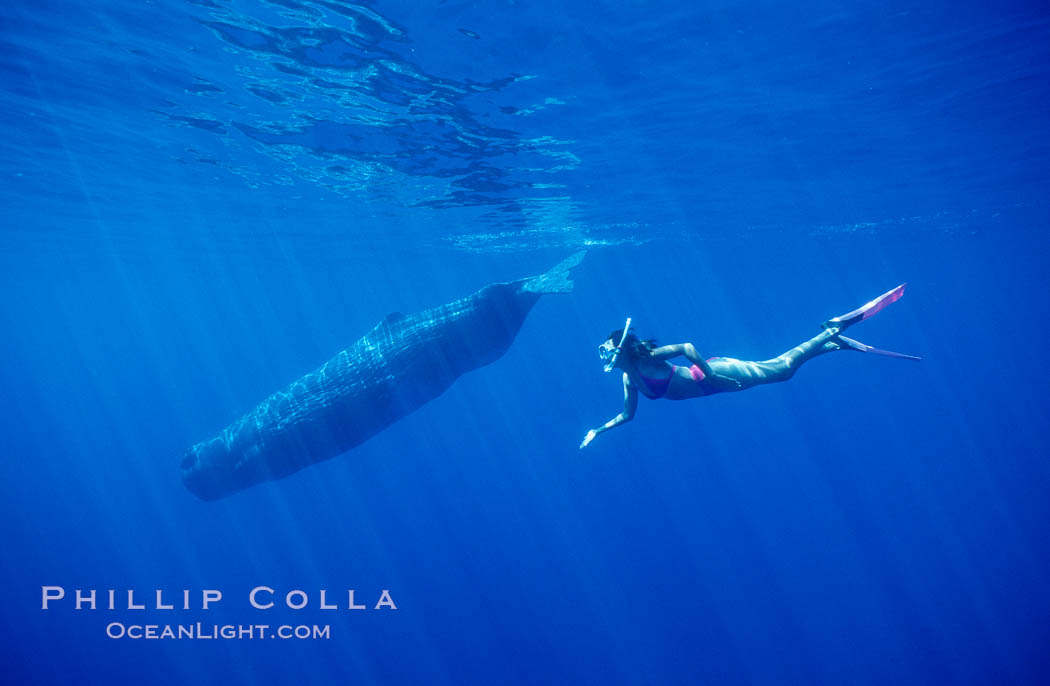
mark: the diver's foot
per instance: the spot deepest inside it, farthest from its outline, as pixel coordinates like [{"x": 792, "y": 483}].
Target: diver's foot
[
  {"x": 832, "y": 326},
  {"x": 843, "y": 343},
  {"x": 837, "y": 342}
]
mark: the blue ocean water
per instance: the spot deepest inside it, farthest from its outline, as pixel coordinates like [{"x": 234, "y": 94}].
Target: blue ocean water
[{"x": 203, "y": 200}]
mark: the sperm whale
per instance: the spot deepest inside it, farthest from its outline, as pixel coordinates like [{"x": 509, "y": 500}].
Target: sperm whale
[{"x": 403, "y": 363}]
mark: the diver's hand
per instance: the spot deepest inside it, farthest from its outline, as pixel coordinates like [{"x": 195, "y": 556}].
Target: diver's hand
[
  {"x": 588, "y": 438},
  {"x": 729, "y": 382}
]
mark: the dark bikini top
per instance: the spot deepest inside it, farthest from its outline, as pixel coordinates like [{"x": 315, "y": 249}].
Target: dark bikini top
[{"x": 658, "y": 387}]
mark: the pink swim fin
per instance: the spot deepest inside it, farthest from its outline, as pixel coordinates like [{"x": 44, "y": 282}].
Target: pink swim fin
[
  {"x": 850, "y": 344},
  {"x": 842, "y": 322}
]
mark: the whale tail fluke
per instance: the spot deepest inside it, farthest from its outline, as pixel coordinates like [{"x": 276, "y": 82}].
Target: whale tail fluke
[{"x": 558, "y": 279}]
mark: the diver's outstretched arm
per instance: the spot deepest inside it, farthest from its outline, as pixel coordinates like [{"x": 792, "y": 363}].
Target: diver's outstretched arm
[
  {"x": 686, "y": 350},
  {"x": 630, "y": 403}
]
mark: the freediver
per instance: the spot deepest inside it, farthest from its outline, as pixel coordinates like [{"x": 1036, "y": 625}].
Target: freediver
[{"x": 646, "y": 367}]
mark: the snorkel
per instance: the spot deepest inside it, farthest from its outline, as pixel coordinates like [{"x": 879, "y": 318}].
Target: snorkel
[{"x": 619, "y": 346}]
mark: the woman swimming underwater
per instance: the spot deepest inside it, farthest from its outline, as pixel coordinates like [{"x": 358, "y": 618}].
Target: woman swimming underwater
[{"x": 646, "y": 367}]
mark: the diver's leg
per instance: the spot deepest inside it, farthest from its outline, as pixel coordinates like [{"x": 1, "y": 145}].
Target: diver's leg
[
  {"x": 780, "y": 368},
  {"x": 783, "y": 367}
]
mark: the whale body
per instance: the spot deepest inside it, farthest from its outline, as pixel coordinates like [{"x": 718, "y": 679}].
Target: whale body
[{"x": 397, "y": 367}]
